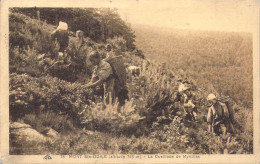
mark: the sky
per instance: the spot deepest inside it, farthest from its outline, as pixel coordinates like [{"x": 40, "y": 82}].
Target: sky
[{"x": 218, "y": 15}]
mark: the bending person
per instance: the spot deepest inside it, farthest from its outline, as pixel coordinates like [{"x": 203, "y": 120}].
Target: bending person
[{"x": 102, "y": 74}]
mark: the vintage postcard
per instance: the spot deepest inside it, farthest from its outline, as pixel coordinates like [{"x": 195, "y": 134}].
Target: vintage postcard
[{"x": 129, "y": 81}]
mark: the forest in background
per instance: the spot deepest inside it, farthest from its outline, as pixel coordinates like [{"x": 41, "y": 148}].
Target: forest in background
[{"x": 99, "y": 24}]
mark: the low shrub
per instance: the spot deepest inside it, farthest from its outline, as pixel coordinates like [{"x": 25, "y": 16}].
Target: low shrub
[
  {"x": 111, "y": 118},
  {"x": 28, "y": 94}
]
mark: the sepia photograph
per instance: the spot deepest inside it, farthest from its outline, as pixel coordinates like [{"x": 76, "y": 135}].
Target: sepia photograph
[{"x": 134, "y": 80}]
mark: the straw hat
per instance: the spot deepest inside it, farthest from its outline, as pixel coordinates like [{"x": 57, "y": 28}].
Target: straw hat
[
  {"x": 211, "y": 97},
  {"x": 182, "y": 88}
]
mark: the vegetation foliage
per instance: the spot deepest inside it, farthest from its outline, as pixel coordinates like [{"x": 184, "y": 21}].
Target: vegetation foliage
[
  {"x": 216, "y": 61},
  {"x": 99, "y": 24},
  {"x": 47, "y": 90}
]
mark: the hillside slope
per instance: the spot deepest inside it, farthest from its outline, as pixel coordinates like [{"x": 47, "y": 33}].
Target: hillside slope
[
  {"x": 152, "y": 120},
  {"x": 223, "y": 59}
]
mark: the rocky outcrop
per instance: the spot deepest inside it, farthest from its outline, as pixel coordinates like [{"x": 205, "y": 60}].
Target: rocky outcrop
[{"x": 21, "y": 131}]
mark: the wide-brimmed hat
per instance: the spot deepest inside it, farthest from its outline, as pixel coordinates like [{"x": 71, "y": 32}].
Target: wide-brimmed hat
[
  {"x": 183, "y": 88},
  {"x": 211, "y": 97}
]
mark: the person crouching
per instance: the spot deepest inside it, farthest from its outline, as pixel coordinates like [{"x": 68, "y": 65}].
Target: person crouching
[{"x": 102, "y": 74}]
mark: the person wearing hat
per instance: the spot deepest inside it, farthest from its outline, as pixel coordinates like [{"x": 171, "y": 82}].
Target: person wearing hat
[
  {"x": 80, "y": 46},
  {"x": 78, "y": 53},
  {"x": 102, "y": 74},
  {"x": 61, "y": 36},
  {"x": 218, "y": 118},
  {"x": 80, "y": 39},
  {"x": 110, "y": 54},
  {"x": 188, "y": 102}
]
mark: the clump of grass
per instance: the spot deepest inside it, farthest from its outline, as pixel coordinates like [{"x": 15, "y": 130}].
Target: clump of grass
[{"x": 111, "y": 117}]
